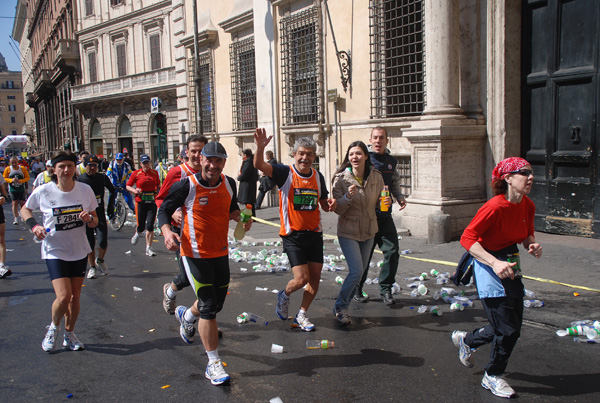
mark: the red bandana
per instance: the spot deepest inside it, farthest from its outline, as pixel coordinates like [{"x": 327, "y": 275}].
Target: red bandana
[{"x": 507, "y": 166}]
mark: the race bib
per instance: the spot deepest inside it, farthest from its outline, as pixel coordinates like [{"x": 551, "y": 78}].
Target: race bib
[
  {"x": 305, "y": 199},
  {"x": 147, "y": 197},
  {"x": 66, "y": 218}
]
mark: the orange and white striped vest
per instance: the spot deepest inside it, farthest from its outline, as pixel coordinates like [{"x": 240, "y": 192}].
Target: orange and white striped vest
[
  {"x": 206, "y": 220},
  {"x": 299, "y": 203}
]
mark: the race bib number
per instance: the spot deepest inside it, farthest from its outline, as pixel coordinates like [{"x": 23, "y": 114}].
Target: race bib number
[
  {"x": 305, "y": 199},
  {"x": 147, "y": 197},
  {"x": 66, "y": 218}
]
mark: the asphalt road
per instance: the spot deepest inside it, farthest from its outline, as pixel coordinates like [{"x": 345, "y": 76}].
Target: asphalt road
[{"x": 134, "y": 352}]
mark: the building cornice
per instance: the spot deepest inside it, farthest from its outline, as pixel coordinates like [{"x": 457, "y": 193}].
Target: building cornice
[{"x": 240, "y": 18}]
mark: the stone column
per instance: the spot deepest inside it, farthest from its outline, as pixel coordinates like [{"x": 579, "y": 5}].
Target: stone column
[
  {"x": 442, "y": 48},
  {"x": 471, "y": 45}
]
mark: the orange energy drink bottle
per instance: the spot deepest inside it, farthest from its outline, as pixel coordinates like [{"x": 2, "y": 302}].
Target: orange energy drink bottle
[{"x": 384, "y": 193}]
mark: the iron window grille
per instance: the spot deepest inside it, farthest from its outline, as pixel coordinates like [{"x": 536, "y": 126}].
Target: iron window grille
[
  {"x": 404, "y": 171},
  {"x": 205, "y": 71},
  {"x": 302, "y": 67},
  {"x": 243, "y": 84},
  {"x": 397, "y": 65}
]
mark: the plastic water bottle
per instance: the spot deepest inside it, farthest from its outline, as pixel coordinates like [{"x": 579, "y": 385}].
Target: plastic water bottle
[
  {"x": 422, "y": 309},
  {"x": 319, "y": 344},
  {"x": 533, "y": 303},
  {"x": 246, "y": 317},
  {"x": 582, "y": 340},
  {"x": 245, "y": 216},
  {"x": 37, "y": 240},
  {"x": 529, "y": 294},
  {"x": 396, "y": 288}
]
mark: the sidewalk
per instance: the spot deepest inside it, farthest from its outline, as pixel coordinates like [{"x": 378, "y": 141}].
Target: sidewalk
[{"x": 566, "y": 259}]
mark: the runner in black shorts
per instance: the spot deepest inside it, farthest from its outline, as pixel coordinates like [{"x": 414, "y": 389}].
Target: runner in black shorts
[
  {"x": 147, "y": 186},
  {"x": 302, "y": 191},
  {"x": 98, "y": 182},
  {"x": 213, "y": 271},
  {"x": 303, "y": 247}
]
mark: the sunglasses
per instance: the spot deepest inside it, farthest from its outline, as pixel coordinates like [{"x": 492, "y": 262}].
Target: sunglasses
[
  {"x": 92, "y": 165},
  {"x": 523, "y": 172}
]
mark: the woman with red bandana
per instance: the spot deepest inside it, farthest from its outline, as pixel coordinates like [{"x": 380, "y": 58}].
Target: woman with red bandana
[{"x": 491, "y": 238}]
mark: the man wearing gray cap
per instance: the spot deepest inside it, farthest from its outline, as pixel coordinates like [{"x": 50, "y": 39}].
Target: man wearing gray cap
[{"x": 208, "y": 201}]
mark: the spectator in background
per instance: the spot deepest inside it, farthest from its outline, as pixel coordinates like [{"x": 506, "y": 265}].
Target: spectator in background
[
  {"x": 37, "y": 167},
  {"x": 266, "y": 183},
  {"x": 129, "y": 160},
  {"x": 248, "y": 178}
]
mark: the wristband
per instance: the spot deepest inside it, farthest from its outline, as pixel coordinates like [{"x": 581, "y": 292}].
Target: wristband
[{"x": 31, "y": 222}]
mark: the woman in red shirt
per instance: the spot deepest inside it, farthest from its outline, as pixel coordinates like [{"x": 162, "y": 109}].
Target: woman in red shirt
[
  {"x": 147, "y": 185},
  {"x": 491, "y": 238}
]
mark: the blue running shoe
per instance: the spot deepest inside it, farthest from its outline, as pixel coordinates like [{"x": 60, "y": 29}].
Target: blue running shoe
[{"x": 216, "y": 373}]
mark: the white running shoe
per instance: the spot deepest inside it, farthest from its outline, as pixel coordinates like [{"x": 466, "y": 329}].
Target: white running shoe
[
  {"x": 135, "y": 238},
  {"x": 4, "y": 271},
  {"x": 102, "y": 266},
  {"x": 50, "y": 339},
  {"x": 91, "y": 273},
  {"x": 71, "y": 341},
  {"x": 216, "y": 373},
  {"x": 16, "y": 221},
  {"x": 150, "y": 252},
  {"x": 303, "y": 323},
  {"x": 465, "y": 353},
  {"x": 497, "y": 385}
]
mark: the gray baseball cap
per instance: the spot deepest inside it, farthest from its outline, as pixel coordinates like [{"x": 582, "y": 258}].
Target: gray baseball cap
[{"x": 214, "y": 149}]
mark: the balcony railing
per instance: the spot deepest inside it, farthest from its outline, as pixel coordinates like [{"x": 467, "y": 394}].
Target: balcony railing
[
  {"x": 150, "y": 81},
  {"x": 67, "y": 53}
]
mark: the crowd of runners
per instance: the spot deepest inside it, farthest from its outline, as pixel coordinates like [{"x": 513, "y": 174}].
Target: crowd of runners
[{"x": 195, "y": 201}]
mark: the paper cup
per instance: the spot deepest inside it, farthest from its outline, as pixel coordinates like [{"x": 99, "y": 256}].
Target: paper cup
[{"x": 276, "y": 349}]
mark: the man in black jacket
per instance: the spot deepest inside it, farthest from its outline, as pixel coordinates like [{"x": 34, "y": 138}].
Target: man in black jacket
[
  {"x": 248, "y": 178},
  {"x": 387, "y": 235},
  {"x": 97, "y": 182}
]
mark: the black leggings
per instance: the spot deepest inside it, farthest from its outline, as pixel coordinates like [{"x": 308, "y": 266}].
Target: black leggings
[
  {"x": 146, "y": 214},
  {"x": 210, "y": 279},
  {"x": 101, "y": 231}
]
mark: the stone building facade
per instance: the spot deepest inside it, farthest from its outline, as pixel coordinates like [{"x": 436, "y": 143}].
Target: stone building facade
[
  {"x": 458, "y": 84},
  {"x": 54, "y": 67}
]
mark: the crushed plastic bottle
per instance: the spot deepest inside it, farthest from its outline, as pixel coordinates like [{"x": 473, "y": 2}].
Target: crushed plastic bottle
[
  {"x": 319, "y": 344},
  {"x": 582, "y": 340},
  {"x": 435, "y": 310},
  {"x": 406, "y": 252},
  {"x": 396, "y": 288},
  {"x": 441, "y": 280},
  {"x": 246, "y": 317},
  {"x": 529, "y": 294},
  {"x": 414, "y": 293},
  {"x": 533, "y": 303},
  {"x": 422, "y": 309}
]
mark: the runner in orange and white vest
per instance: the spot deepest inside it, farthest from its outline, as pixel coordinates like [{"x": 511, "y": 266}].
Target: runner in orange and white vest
[
  {"x": 301, "y": 190},
  {"x": 208, "y": 202}
]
